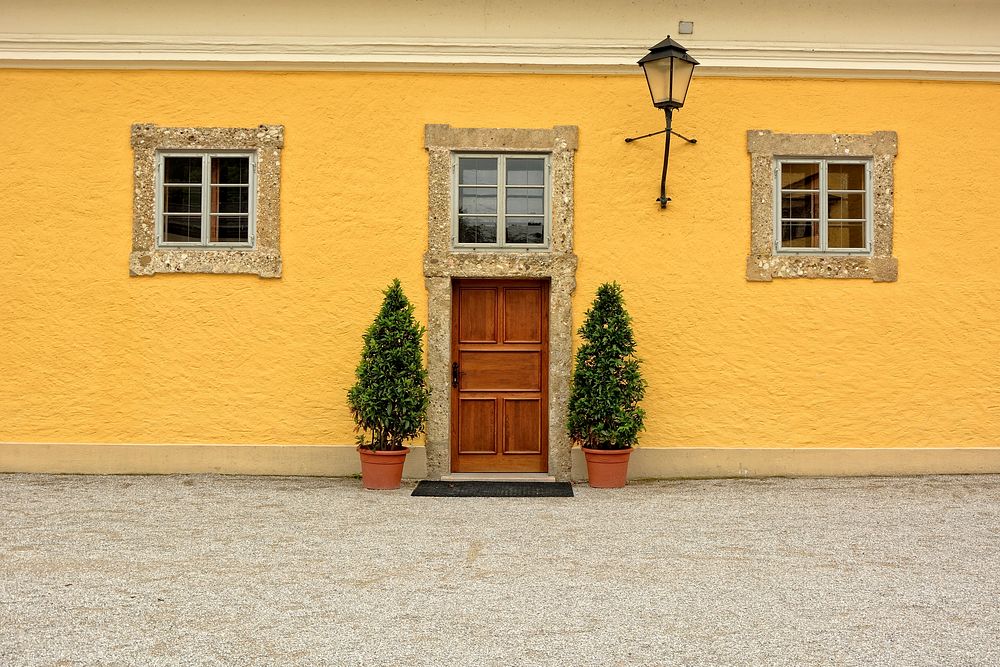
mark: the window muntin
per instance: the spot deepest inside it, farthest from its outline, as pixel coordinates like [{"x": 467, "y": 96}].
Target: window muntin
[
  {"x": 823, "y": 206},
  {"x": 205, "y": 199},
  {"x": 501, "y": 201}
]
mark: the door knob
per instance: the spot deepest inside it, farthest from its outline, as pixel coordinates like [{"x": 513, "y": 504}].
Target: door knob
[{"x": 454, "y": 374}]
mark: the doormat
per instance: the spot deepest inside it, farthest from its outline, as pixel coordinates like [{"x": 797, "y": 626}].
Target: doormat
[{"x": 491, "y": 489}]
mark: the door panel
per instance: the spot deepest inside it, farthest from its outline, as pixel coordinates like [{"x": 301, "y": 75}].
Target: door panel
[
  {"x": 522, "y": 315},
  {"x": 498, "y": 370},
  {"x": 500, "y": 349},
  {"x": 477, "y": 425},
  {"x": 522, "y": 426},
  {"x": 480, "y": 323}
]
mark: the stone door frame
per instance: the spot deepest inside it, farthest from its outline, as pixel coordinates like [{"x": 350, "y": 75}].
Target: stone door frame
[{"x": 442, "y": 264}]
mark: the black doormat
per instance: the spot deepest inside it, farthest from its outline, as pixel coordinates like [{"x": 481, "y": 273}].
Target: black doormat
[{"x": 490, "y": 489}]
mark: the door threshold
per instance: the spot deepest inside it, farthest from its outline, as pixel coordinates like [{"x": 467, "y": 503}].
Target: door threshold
[{"x": 498, "y": 477}]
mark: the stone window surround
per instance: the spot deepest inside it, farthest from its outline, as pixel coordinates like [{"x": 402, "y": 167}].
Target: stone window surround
[
  {"x": 264, "y": 258},
  {"x": 763, "y": 264},
  {"x": 442, "y": 264}
]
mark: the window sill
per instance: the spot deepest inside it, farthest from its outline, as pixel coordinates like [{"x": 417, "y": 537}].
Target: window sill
[
  {"x": 764, "y": 268},
  {"x": 190, "y": 260}
]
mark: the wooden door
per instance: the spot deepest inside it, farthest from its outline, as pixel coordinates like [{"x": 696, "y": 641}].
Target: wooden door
[{"x": 500, "y": 376}]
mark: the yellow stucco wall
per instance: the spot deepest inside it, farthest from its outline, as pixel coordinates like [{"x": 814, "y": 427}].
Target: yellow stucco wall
[{"x": 89, "y": 354}]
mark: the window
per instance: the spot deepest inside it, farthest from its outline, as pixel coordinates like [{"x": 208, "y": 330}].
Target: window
[
  {"x": 205, "y": 199},
  {"x": 501, "y": 201},
  {"x": 823, "y": 206}
]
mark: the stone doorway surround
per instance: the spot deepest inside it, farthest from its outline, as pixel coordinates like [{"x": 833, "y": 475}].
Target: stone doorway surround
[{"x": 442, "y": 263}]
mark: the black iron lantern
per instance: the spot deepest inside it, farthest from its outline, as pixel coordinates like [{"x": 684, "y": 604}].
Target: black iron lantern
[{"x": 668, "y": 69}]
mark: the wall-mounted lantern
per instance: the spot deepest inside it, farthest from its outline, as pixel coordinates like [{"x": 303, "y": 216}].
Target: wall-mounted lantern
[{"x": 668, "y": 69}]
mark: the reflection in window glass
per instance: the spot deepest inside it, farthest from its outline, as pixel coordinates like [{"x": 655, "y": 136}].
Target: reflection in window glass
[
  {"x": 477, "y": 200},
  {"x": 799, "y": 176},
  {"x": 525, "y": 201},
  {"x": 525, "y": 229},
  {"x": 182, "y": 228},
  {"x": 477, "y": 171},
  {"x": 525, "y": 171},
  {"x": 474, "y": 229}
]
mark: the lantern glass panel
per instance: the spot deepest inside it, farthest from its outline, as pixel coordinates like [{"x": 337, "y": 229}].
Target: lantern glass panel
[
  {"x": 681, "y": 80},
  {"x": 658, "y": 78}
]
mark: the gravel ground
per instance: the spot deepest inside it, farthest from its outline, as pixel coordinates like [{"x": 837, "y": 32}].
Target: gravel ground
[{"x": 213, "y": 570}]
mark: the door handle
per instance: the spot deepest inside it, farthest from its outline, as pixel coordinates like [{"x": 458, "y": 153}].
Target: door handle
[{"x": 454, "y": 374}]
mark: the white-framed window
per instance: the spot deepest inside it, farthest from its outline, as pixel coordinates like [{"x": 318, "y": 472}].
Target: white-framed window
[
  {"x": 206, "y": 199},
  {"x": 823, "y": 206},
  {"x": 501, "y": 200}
]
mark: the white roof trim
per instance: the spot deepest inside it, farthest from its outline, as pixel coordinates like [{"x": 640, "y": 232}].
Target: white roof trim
[{"x": 571, "y": 56}]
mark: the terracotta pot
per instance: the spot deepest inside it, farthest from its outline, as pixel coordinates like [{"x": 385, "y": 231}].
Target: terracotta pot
[
  {"x": 607, "y": 468},
  {"x": 382, "y": 469}
]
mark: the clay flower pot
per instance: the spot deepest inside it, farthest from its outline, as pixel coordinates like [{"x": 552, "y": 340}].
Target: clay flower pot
[
  {"x": 382, "y": 469},
  {"x": 607, "y": 468}
]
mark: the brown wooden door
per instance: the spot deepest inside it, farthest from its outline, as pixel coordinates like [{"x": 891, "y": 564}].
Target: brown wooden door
[{"x": 500, "y": 362}]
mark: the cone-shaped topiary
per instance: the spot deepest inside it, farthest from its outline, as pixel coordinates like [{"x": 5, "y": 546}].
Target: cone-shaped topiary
[
  {"x": 389, "y": 400},
  {"x": 604, "y": 410}
]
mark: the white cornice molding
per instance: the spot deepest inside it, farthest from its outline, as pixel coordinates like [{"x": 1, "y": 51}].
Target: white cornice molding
[{"x": 570, "y": 56}]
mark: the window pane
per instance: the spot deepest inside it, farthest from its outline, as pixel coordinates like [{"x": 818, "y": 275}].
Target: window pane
[
  {"x": 477, "y": 171},
  {"x": 845, "y": 176},
  {"x": 182, "y": 169},
  {"x": 525, "y": 171},
  {"x": 477, "y": 200},
  {"x": 525, "y": 201},
  {"x": 796, "y": 234},
  {"x": 525, "y": 230},
  {"x": 182, "y": 199},
  {"x": 231, "y": 170},
  {"x": 481, "y": 229},
  {"x": 800, "y": 176},
  {"x": 802, "y": 205},
  {"x": 850, "y": 205},
  {"x": 182, "y": 228},
  {"x": 229, "y": 229},
  {"x": 846, "y": 234},
  {"x": 231, "y": 199}
]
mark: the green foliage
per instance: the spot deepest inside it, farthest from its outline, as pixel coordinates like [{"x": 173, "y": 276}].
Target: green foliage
[
  {"x": 604, "y": 410},
  {"x": 389, "y": 400}
]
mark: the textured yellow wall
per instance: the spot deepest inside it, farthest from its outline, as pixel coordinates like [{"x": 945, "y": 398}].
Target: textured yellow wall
[{"x": 89, "y": 354}]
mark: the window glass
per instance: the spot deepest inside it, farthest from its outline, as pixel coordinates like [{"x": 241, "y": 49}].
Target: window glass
[
  {"x": 525, "y": 201},
  {"x": 501, "y": 200},
  {"x": 472, "y": 200},
  {"x": 182, "y": 170},
  {"x": 525, "y": 230},
  {"x": 525, "y": 171},
  {"x": 183, "y": 228},
  {"x": 799, "y": 176},
  {"x": 477, "y": 229},
  {"x": 846, "y": 176},
  {"x": 839, "y": 223},
  {"x": 182, "y": 198},
  {"x": 186, "y": 179},
  {"x": 477, "y": 171},
  {"x": 846, "y": 234}
]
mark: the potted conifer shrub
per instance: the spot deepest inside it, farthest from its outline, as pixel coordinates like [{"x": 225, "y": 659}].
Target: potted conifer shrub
[
  {"x": 389, "y": 400},
  {"x": 604, "y": 414}
]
